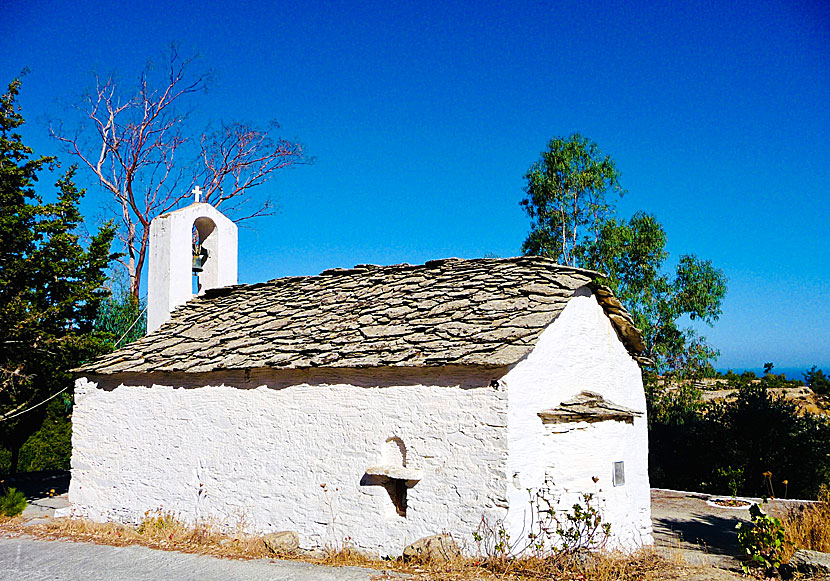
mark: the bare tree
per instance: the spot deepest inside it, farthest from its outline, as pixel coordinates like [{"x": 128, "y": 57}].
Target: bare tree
[{"x": 138, "y": 148}]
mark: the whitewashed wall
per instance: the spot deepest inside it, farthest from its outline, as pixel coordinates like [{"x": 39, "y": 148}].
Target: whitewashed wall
[
  {"x": 262, "y": 454},
  {"x": 580, "y": 351}
]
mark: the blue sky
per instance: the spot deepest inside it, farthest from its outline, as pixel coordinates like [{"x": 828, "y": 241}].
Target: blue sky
[{"x": 423, "y": 118}]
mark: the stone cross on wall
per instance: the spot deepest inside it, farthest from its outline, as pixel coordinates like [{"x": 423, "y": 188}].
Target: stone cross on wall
[{"x": 197, "y": 193}]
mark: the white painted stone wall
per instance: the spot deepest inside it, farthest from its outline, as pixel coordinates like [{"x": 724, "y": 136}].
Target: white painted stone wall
[
  {"x": 292, "y": 458},
  {"x": 170, "y": 276},
  {"x": 579, "y": 351}
]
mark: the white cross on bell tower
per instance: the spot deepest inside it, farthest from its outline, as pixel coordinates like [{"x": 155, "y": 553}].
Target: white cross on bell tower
[{"x": 197, "y": 194}]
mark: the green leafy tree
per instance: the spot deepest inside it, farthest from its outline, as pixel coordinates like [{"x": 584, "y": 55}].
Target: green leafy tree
[
  {"x": 50, "y": 447},
  {"x": 569, "y": 200},
  {"x": 758, "y": 433},
  {"x": 50, "y": 285},
  {"x": 121, "y": 319},
  {"x": 566, "y": 198},
  {"x": 817, "y": 381}
]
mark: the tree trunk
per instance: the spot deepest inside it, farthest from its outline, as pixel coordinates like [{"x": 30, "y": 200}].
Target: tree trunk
[
  {"x": 15, "y": 458},
  {"x": 144, "y": 248}
]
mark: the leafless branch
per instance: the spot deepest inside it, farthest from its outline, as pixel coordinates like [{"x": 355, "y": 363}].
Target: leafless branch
[{"x": 134, "y": 144}]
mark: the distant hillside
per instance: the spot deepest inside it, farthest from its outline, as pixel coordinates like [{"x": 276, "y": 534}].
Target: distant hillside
[{"x": 801, "y": 395}]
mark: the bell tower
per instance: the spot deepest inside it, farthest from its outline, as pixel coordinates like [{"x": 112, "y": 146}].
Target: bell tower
[{"x": 175, "y": 257}]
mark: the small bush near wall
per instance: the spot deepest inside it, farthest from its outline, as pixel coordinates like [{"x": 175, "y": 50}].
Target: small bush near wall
[
  {"x": 12, "y": 502},
  {"x": 50, "y": 448}
]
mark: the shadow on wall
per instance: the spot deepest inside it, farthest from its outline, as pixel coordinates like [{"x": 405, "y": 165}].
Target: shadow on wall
[{"x": 445, "y": 376}]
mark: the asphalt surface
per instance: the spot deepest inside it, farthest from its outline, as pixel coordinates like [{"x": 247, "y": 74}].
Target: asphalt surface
[{"x": 30, "y": 560}]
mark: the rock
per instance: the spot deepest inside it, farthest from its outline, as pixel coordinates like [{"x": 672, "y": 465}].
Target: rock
[
  {"x": 435, "y": 548},
  {"x": 38, "y": 521},
  {"x": 812, "y": 562},
  {"x": 316, "y": 553},
  {"x": 282, "y": 543}
]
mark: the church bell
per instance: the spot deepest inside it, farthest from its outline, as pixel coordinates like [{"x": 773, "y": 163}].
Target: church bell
[{"x": 199, "y": 256}]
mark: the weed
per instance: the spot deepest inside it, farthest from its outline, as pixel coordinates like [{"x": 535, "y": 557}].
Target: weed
[
  {"x": 12, "y": 502},
  {"x": 763, "y": 541},
  {"x": 552, "y": 532},
  {"x": 808, "y": 525},
  {"x": 770, "y": 491}
]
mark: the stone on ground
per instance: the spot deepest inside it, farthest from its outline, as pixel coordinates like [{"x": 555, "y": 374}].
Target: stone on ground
[
  {"x": 282, "y": 543},
  {"x": 813, "y": 562},
  {"x": 434, "y": 548}
]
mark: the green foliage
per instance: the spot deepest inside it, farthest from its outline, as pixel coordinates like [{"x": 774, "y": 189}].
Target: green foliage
[
  {"x": 633, "y": 255},
  {"x": 732, "y": 477},
  {"x": 762, "y": 541},
  {"x": 50, "y": 286},
  {"x": 566, "y": 192},
  {"x": 731, "y": 445},
  {"x": 50, "y": 447},
  {"x": 567, "y": 201},
  {"x": 121, "y": 319},
  {"x": 583, "y": 527},
  {"x": 12, "y": 502},
  {"x": 817, "y": 381}
]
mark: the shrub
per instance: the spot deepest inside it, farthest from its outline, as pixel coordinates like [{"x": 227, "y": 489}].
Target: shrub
[
  {"x": 817, "y": 381},
  {"x": 582, "y": 528},
  {"x": 49, "y": 448},
  {"x": 763, "y": 541},
  {"x": 732, "y": 444},
  {"x": 13, "y": 502},
  {"x": 553, "y": 533}
]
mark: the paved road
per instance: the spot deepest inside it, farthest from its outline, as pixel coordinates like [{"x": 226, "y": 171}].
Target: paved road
[
  {"x": 30, "y": 560},
  {"x": 703, "y": 534}
]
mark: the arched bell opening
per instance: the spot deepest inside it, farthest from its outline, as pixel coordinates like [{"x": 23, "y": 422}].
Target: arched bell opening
[
  {"x": 205, "y": 248},
  {"x": 171, "y": 262}
]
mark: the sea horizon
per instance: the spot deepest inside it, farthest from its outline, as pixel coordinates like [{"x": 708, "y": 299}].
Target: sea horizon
[{"x": 790, "y": 372}]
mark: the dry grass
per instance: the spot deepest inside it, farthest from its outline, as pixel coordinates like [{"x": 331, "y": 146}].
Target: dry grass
[
  {"x": 808, "y": 526},
  {"x": 643, "y": 565},
  {"x": 157, "y": 531},
  {"x": 163, "y": 531}
]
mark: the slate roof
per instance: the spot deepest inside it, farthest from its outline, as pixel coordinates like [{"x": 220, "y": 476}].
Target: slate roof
[{"x": 484, "y": 312}]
